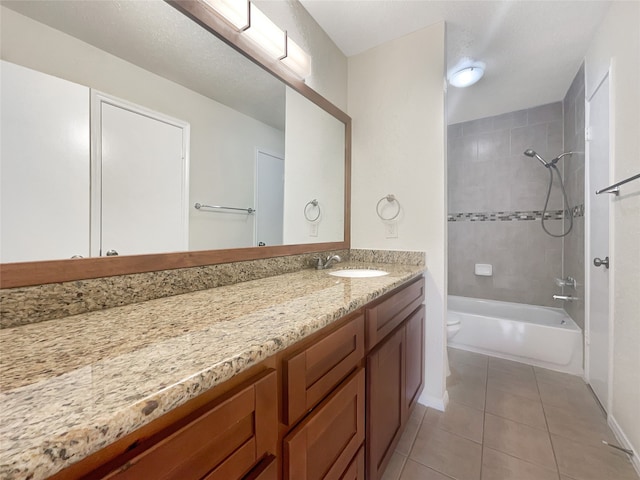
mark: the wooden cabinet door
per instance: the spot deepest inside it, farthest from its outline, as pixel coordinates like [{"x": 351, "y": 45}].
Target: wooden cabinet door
[
  {"x": 324, "y": 444},
  {"x": 312, "y": 373},
  {"x": 414, "y": 363},
  {"x": 224, "y": 443},
  {"x": 355, "y": 470},
  {"x": 385, "y": 402}
]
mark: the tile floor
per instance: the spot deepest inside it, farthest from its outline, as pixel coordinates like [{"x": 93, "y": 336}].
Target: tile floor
[{"x": 509, "y": 421}]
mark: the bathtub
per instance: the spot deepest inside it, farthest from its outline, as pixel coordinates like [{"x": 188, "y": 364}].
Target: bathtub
[{"x": 542, "y": 336}]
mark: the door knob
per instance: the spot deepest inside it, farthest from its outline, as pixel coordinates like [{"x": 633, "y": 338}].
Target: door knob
[
  {"x": 598, "y": 262},
  {"x": 112, "y": 253}
]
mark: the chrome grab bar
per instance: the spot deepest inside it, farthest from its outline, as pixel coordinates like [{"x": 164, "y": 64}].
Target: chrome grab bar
[
  {"x": 615, "y": 188},
  {"x": 249, "y": 210}
]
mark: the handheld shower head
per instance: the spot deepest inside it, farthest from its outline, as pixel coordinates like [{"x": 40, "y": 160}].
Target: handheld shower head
[
  {"x": 555, "y": 160},
  {"x": 531, "y": 153}
]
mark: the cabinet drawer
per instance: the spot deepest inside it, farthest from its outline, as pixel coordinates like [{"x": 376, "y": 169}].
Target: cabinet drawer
[
  {"x": 312, "y": 373},
  {"x": 324, "y": 444},
  {"x": 223, "y": 443},
  {"x": 388, "y": 314}
]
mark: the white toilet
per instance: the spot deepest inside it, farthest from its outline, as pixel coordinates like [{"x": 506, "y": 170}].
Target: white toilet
[{"x": 453, "y": 327}]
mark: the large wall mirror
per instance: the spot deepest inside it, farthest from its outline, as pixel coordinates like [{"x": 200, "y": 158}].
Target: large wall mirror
[{"x": 132, "y": 132}]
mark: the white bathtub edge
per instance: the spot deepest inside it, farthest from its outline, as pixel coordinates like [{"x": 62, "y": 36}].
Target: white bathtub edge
[{"x": 572, "y": 368}]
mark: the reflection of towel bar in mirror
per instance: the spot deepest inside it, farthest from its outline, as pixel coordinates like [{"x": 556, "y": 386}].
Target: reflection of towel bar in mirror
[
  {"x": 256, "y": 119},
  {"x": 249, "y": 210}
]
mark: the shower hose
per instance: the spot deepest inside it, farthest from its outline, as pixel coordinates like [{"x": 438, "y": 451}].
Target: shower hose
[{"x": 566, "y": 211}]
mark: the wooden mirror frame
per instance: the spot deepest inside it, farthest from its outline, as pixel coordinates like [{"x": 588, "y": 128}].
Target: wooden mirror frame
[{"x": 23, "y": 274}]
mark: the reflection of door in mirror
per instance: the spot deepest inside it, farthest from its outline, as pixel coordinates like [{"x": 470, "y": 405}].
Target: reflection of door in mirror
[
  {"x": 269, "y": 199},
  {"x": 136, "y": 200},
  {"x": 141, "y": 168}
]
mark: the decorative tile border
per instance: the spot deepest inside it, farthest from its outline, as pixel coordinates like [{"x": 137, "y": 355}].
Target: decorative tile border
[
  {"x": 524, "y": 215},
  {"x": 578, "y": 211}
]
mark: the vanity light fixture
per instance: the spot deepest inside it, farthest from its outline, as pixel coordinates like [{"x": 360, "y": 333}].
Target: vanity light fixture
[
  {"x": 236, "y": 12},
  {"x": 251, "y": 21},
  {"x": 467, "y": 75},
  {"x": 297, "y": 60},
  {"x": 266, "y": 33}
]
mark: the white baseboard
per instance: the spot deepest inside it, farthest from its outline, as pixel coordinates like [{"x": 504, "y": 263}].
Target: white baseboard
[
  {"x": 438, "y": 403},
  {"x": 624, "y": 442}
]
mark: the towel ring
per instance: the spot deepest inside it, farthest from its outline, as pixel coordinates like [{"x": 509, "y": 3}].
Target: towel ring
[
  {"x": 389, "y": 198},
  {"x": 313, "y": 203}
]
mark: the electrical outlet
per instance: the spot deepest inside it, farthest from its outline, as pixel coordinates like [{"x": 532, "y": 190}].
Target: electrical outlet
[
  {"x": 391, "y": 230},
  {"x": 313, "y": 229}
]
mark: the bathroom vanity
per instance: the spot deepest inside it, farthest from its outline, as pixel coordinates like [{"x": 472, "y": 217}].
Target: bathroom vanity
[{"x": 297, "y": 376}]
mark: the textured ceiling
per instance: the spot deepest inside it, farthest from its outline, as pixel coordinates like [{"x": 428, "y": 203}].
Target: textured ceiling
[
  {"x": 158, "y": 38},
  {"x": 532, "y": 49}
]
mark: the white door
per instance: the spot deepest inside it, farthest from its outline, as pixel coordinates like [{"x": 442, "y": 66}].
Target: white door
[
  {"x": 143, "y": 180},
  {"x": 269, "y": 199},
  {"x": 598, "y": 244},
  {"x": 44, "y": 167}
]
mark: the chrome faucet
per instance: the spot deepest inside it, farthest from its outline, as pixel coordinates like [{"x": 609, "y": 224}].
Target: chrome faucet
[
  {"x": 331, "y": 259},
  {"x": 566, "y": 298}
]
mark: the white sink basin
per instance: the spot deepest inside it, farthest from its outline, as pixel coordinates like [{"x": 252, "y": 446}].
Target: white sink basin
[{"x": 358, "y": 273}]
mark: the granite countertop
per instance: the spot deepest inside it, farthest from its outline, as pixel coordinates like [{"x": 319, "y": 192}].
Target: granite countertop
[{"x": 71, "y": 386}]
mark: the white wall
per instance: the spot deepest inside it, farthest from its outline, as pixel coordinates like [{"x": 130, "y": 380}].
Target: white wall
[
  {"x": 396, "y": 101},
  {"x": 309, "y": 156},
  {"x": 217, "y": 132},
  {"x": 618, "y": 42}
]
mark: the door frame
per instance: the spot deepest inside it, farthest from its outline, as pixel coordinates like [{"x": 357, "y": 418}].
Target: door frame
[
  {"x": 589, "y": 187},
  {"x": 271, "y": 153},
  {"x": 97, "y": 100}
]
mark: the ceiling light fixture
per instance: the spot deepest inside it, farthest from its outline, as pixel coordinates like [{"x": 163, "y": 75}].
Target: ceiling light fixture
[{"x": 467, "y": 75}]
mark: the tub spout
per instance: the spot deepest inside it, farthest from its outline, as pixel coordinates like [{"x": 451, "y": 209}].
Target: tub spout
[{"x": 566, "y": 298}]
